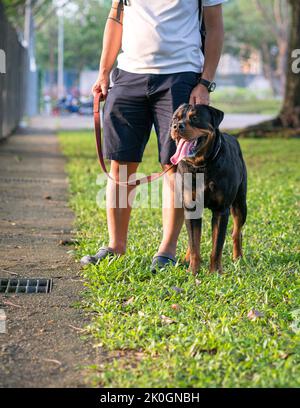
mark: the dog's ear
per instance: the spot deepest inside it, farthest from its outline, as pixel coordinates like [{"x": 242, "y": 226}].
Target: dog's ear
[
  {"x": 182, "y": 107},
  {"x": 217, "y": 116}
]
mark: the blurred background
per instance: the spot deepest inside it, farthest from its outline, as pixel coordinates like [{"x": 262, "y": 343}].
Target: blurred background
[{"x": 50, "y": 51}]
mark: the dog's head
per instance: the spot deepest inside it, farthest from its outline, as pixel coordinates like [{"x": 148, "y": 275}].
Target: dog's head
[{"x": 196, "y": 125}]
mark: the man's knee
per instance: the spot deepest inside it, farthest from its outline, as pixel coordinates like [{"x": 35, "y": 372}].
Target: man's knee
[
  {"x": 170, "y": 175},
  {"x": 121, "y": 170}
]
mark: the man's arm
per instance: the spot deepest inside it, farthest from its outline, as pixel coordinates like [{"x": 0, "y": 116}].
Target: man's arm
[
  {"x": 112, "y": 40},
  {"x": 213, "y": 19}
]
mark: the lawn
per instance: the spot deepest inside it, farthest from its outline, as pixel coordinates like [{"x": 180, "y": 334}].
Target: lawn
[
  {"x": 243, "y": 100},
  {"x": 207, "y": 340}
]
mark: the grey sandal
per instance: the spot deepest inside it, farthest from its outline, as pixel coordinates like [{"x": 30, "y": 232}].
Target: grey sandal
[
  {"x": 102, "y": 253},
  {"x": 161, "y": 260}
]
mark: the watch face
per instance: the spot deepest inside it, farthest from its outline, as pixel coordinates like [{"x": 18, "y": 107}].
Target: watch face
[{"x": 212, "y": 86}]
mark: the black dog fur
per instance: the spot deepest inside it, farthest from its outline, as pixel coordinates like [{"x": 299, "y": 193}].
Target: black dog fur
[{"x": 220, "y": 158}]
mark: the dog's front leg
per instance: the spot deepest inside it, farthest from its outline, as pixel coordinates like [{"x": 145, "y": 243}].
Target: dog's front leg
[
  {"x": 194, "y": 228},
  {"x": 219, "y": 226}
]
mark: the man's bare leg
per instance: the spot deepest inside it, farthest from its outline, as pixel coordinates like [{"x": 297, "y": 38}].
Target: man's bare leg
[
  {"x": 172, "y": 217},
  {"x": 118, "y": 208}
]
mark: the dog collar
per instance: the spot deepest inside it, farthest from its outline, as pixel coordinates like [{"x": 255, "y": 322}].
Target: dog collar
[{"x": 217, "y": 149}]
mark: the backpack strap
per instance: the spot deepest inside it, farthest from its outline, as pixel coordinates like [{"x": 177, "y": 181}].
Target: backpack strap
[
  {"x": 119, "y": 10},
  {"x": 202, "y": 25}
]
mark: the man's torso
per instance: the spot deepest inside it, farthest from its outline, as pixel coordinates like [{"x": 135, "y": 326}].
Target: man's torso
[{"x": 161, "y": 36}]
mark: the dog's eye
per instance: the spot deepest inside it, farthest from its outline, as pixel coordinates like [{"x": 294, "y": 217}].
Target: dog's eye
[{"x": 193, "y": 119}]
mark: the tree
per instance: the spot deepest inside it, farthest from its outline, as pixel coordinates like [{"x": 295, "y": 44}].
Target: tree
[
  {"x": 276, "y": 16},
  {"x": 262, "y": 26},
  {"x": 15, "y": 10},
  {"x": 288, "y": 121},
  {"x": 290, "y": 113},
  {"x": 84, "y": 26}
]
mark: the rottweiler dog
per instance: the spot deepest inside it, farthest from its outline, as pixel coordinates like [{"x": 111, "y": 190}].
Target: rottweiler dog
[{"x": 202, "y": 148}]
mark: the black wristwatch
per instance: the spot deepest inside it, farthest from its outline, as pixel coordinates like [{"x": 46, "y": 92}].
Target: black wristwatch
[{"x": 211, "y": 86}]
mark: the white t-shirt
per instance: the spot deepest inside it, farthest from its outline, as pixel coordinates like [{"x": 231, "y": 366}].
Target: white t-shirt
[{"x": 162, "y": 36}]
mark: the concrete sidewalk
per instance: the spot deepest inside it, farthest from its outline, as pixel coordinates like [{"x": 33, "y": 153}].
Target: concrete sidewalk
[
  {"x": 42, "y": 347},
  {"x": 77, "y": 122}
]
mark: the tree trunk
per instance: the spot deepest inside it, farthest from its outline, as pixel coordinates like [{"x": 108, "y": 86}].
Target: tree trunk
[
  {"x": 282, "y": 64},
  {"x": 287, "y": 123},
  {"x": 290, "y": 113}
]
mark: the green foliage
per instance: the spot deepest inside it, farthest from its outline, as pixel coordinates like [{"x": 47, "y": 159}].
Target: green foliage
[
  {"x": 211, "y": 342},
  {"x": 83, "y": 36},
  {"x": 244, "y": 25},
  {"x": 14, "y": 11}
]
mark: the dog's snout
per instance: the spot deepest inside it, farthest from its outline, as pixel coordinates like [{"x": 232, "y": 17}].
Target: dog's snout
[{"x": 178, "y": 126}]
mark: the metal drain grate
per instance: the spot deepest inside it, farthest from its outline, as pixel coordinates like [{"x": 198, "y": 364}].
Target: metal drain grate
[{"x": 25, "y": 285}]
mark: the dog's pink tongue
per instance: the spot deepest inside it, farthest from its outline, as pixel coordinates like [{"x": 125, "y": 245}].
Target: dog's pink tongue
[{"x": 181, "y": 151}]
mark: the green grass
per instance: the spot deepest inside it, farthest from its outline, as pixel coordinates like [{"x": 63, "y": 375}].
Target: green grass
[
  {"x": 211, "y": 342},
  {"x": 242, "y": 100}
]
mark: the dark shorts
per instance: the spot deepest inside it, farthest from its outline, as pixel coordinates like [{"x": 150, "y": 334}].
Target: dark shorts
[{"x": 134, "y": 104}]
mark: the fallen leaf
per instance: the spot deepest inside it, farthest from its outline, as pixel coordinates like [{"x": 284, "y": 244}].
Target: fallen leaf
[
  {"x": 197, "y": 282},
  {"x": 98, "y": 345},
  {"x": 128, "y": 302},
  {"x": 8, "y": 303},
  {"x": 254, "y": 314},
  {"x": 11, "y": 273},
  {"x": 175, "y": 307},
  {"x": 141, "y": 314},
  {"x": 167, "y": 320},
  {"x": 284, "y": 356},
  {"x": 50, "y": 360},
  {"x": 79, "y": 329}
]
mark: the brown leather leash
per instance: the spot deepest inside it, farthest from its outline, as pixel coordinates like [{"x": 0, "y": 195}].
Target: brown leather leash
[{"x": 98, "y": 97}]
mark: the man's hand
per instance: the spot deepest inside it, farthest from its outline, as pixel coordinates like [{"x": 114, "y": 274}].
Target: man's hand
[
  {"x": 200, "y": 95},
  {"x": 101, "y": 85}
]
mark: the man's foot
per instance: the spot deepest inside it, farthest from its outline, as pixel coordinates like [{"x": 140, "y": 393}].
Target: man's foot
[
  {"x": 103, "y": 253},
  {"x": 161, "y": 260}
]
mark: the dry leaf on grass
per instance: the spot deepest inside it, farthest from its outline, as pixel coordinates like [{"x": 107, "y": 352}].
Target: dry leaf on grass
[
  {"x": 128, "y": 302},
  {"x": 284, "y": 356},
  {"x": 254, "y": 314},
  {"x": 167, "y": 320}
]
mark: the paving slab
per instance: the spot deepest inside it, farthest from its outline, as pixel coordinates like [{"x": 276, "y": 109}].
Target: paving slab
[{"x": 42, "y": 346}]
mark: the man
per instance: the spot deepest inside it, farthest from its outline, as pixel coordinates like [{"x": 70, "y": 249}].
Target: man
[{"x": 158, "y": 69}]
